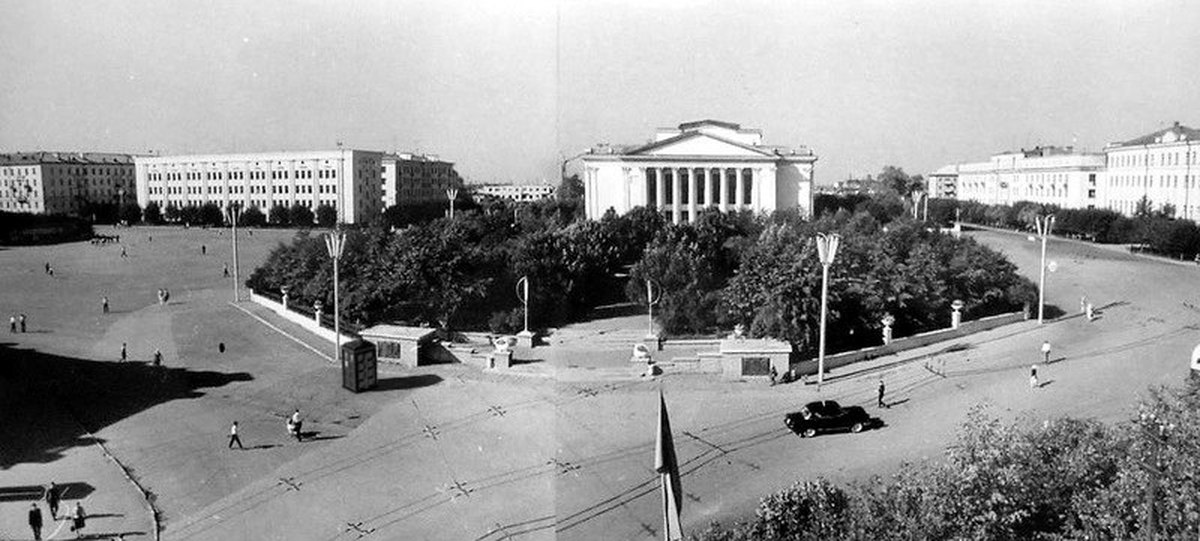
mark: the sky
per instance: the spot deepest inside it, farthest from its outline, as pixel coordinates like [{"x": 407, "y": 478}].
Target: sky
[{"x": 509, "y": 89}]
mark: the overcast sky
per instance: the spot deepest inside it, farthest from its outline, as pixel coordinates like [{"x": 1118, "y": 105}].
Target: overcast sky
[{"x": 509, "y": 89}]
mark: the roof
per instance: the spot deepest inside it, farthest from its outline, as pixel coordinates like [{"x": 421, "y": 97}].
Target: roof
[
  {"x": 709, "y": 122},
  {"x": 1180, "y": 132},
  {"x": 414, "y": 157},
  {"x": 765, "y": 150},
  {"x": 87, "y": 158}
]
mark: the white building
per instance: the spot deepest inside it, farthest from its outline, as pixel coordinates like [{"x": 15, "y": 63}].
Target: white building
[
  {"x": 63, "y": 182},
  {"x": 348, "y": 180},
  {"x": 1163, "y": 167},
  {"x": 514, "y": 192},
  {"x": 943, "y": 183},
  {"x": 1050, "y": 175},
  {"x": 699, "y": 165},
  {"x": 417, "y": 178}
]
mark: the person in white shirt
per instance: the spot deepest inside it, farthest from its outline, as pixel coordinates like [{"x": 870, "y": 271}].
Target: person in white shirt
[{"x": 233, "y": 436}]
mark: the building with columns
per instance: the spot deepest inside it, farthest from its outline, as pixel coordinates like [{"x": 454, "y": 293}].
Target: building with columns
[
  {"x": 64, "y": 182},
  {"x": 1051, "y": 175},
  {"x": 699, "y": 165},
  {"x": 1163, "y": 167},
  {"x": 348, "y": 180}
]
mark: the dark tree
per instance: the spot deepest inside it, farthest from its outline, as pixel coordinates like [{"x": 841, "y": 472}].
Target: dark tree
[
  {"x": 326, "y": 215},
  {"x": 279, "y": 215},
  {"x": 153, "y": 214},
  {"x": 300, "y": 216},
  {"x": 252, "y": 217},
  {"x": 131, "y": 213},
  {"x": 210, "y": 214},
  {"x": 172, "y": 213}
]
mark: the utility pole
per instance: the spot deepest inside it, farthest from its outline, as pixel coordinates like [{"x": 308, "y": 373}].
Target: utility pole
[
  {"x": 234, "y": 212},
  {"x": 827, "y": 246},
  {"x": 1044, "y": 226}
]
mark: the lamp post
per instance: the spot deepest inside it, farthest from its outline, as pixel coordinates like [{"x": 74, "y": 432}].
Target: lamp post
[
  {"x": 956, "y": 313},
  {"x": 525, "y": 337},
  {"x": 651, "y": 300},
  {"x": 1045, "y": 224},
  {"x": 234, "y": 211},
  {"x": 827, "y": 246},
  {"x": 888, "y": 320},
  {"x": 335, "y": 242},
  {"x": 452, "y": 194}
]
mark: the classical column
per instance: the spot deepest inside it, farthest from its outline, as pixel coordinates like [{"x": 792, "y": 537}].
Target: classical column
[
  {"x": 676, "y": 192},
  {"x": 725, "y": 190},
  {"x": 708, "y": 198},
  {"x": 693, "y": 181},
  {"x": 740, "y": 196},
  {"x": 661, "y": 187}
]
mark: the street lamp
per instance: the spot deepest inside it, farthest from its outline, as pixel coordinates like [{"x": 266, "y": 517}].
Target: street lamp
[
  {"x": 234, "y": 211},
  {"x": 651, "y": 300},
  {"x": 827, "y": 246},
  {"x": 452, "y": 194},
  {"x": 335, "y": 242},
  {"x": 1045, "y": 224}
]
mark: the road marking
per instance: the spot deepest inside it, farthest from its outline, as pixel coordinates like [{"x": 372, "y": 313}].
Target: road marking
[
  {"x": 327, "y": 358},
  {"x": 705, "y": 442}
]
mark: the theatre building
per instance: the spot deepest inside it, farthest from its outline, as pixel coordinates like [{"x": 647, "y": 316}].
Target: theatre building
[{"x": 700, "y": 165}]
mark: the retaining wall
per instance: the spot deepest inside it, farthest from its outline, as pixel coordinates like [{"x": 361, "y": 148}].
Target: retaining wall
[{"x": 308, "y": 323}]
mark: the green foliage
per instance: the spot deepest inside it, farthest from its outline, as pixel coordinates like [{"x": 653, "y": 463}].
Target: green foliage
[
  {"x": 152, "y": 214},
  {"x": 20, "y": 228},
  {"x": 300, "y": 216},
  {"x": 252, "y": 217},
  {"x": 210, "y": 214},
  {"x": 131, "y": 213},
  {"x": 326, "y": 215},
  {"x": 172, "y": 213},
  {"x": 279, "y": 215}
]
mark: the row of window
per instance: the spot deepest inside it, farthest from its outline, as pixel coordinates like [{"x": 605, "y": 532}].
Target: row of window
[
  {"x": 242, "y": 175},
  {"x": 1151, "y": 159},
  {"x": 1148, "y": 181}
]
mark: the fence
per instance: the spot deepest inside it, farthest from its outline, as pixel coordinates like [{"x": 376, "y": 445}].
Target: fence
[{"x": 304, "y": 317}]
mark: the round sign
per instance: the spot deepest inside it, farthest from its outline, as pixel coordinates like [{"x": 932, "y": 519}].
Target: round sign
[
  {"x": 1196, "y": 359},
  {"x": 957, "y": 304},
  {"x": 1052, "y": 266}
]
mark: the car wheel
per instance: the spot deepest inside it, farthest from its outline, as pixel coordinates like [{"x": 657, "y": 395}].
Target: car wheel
[
  {"x": 808, "y": 433},
  {"x": 856, "y": 428}
]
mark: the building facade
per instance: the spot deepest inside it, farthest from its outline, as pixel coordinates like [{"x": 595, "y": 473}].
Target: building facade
[
  {"x": 700, "y": 165},
  {"x": 64, "y": 182},
  {"x": 1162, "y": 167},
  {"x": 943, "y": 183},
  {"x": 513, "y": 192},
  {"x": 348, "y": 180},
  {"x": 417, "y": 178},
  {"x": 1049, "y": 175}
]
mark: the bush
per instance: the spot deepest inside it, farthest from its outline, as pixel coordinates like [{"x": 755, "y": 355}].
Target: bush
[
  {"x": 326, "y": 215},
  {"x": 252, "y": 217}
]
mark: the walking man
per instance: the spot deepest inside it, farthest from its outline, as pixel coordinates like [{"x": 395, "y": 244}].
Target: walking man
[
  {"x": 123, "y": 254},
  {"x": 124, "y": 353},
  {"x": 104, "y": 304},
  {"x": 1046, "y": 351},
  {"x": 226, "y": 271},
  {"x": 233, "y": 436},
  {"x": 79, "y": 518},
  {"x": 880, "y": 402},
  {"x": 22, "y": 322},
  {"x": 203, "y": 249},
  {"x": 53, "y": 495},
  {"x": 1033, "y": 381},
  {"x": 1091, "y": 312},
  {"x": 47, "y": 267},
  {"x": 12, "y": 323},
  {"x": 35, "y": 521},
  {"x": 158, "y": 360}
]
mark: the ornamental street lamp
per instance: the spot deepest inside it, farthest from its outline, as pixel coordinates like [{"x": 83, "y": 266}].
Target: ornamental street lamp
[
  {"x": 234, "y": 211},
  {"x": 1045, "y": 224},
  {"x": 335, "y": 242},
  {"x": 452, "y": 194},
  {"x": 827, "y": 246}
]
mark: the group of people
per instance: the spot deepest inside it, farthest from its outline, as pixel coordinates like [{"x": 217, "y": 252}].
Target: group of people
[
  {"x": 53, "y": 496},
  {"x": 164, "y": 295},
  {"x": 14, "y": 321},
  {"x": 294, "y": 428},
  {"x": 49, "y": 269}
]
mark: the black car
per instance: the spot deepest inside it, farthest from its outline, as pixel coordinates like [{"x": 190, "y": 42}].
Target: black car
[{"x": 825, "y": 416}]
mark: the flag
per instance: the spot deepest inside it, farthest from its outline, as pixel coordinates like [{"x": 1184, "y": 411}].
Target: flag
[{"x": 668, "y": 470}]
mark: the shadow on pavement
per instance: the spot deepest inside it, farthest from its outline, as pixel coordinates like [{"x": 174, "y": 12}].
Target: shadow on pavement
[
  {"x": 407, "y": 382},
  {"x": 37, "y": 389}
]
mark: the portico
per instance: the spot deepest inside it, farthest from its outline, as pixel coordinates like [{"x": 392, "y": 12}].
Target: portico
[{"x": 701, "y": 165}]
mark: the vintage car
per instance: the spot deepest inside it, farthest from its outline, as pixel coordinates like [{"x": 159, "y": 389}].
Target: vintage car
[{"x": 827, "y": 416}]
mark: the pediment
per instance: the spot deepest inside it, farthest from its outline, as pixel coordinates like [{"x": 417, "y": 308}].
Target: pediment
[{"x": 697, "y": 144}]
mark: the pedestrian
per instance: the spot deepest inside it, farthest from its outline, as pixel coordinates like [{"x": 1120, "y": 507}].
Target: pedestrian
[
  {"x": 166, "y": 296},
  {"x": 53, "y": 496},
  {"x": 1091, "y": 312},
  {"x": 47, "y": 267},
  {"x": 22, "y": 322},
  {"x": 296, "y": 423},
  {"x": 160, "y": 295},
  {"x": 203, "y": 249},
  {"x": 50, "y": 271},
  {"x": 12, "y": 323},
  {"x": 35, "y": 521},
  {"x": 104, "y": 304},
  {"x": 124, "y": 353},
  {"x": 880, "y": 402},
  {"x": 226, "y": 270},
  {"x": 233, "y": 436},
  {"x": 774, "y": 376},
  {"x": 1046, "y": 351},
  {"x": 1033, "y": 381},
  {"x": 123, "y": 254},
  {"x": 157, "y": 358},
  {"x": 79, "y": 519},
  {"x": 221, "y": 347},
  {"x": 1083, "y": 304}
]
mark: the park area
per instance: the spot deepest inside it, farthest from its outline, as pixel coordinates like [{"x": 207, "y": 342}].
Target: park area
[{"x": 563, "y": 451}]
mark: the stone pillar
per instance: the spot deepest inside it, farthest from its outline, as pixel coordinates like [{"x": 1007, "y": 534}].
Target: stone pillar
[
  {"x": 724, "y": 181},
  {"x": 708, "y": 198},
  {"x": 661, "y": 187},
  {"x": 693, "y": 181},
  {"x": 740, "y": 197},
  {"x": 317, "y": 313},
  {"x": 676, "y": 189}
]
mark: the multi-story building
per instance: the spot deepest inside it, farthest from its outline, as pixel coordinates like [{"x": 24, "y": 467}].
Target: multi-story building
[
  {"x": 1162, "y": 167},
  {"x": 513, "y": 192},
  {"x": 943, "y": 183},
  {"x": 1051, "y": 175},
  {"x": 63, "y": 182},
  {"x": 417, "y": 178},
  {"x": 348, "y": 180},
  {"x": 699, "y": 165}
]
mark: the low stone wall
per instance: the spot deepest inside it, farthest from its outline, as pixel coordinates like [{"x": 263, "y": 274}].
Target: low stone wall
[
  {"x": 809, "y": 367},
  {"x": 308, "y": 323}
]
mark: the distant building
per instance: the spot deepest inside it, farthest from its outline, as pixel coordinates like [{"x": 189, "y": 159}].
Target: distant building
[
  {"x": 1163, "y": 167},
  {"x": 699, "y": 165},
  {"x": 943, "y": 183},
  {"x": 1051, "y": 175},
  {"x": 63, "y": 182},
  {"x": 850, "y": 186},
  {"x": 417, "y": 178},
  {"x": 348, "y": 180},
  {"x": 513, "y": 192}
]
